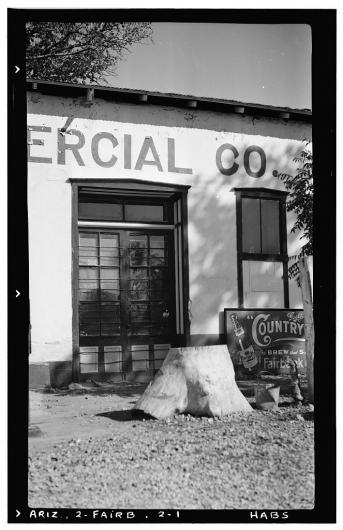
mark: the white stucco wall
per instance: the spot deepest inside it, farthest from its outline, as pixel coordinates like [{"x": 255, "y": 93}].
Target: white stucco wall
[{"x": 196, "y": 136}]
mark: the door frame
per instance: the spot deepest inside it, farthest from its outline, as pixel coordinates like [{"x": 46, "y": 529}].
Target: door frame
[{"x": 133, "y": 188}]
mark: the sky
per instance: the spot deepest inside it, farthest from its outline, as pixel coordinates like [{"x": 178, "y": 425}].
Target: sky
[{"x": 268, "y": 64}]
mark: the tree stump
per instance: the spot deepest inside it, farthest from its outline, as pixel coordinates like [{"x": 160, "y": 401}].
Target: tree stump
[{"x": 196, "y": 380}]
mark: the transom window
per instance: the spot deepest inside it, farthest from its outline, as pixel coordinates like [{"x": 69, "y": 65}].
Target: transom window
[{"x": 114, "y": 208}]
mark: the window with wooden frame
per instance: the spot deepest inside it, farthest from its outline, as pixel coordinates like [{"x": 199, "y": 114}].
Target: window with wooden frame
[{"x": 262, "y": 238}]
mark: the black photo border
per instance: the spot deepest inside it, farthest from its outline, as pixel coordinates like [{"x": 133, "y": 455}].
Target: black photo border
[{"x": 323, "y": 27}]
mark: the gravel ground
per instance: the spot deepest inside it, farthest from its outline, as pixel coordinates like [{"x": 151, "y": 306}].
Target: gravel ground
[{"x": 92, "y": 453}]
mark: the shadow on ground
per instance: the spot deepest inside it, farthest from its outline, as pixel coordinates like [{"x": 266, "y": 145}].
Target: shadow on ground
[
  {"x": 92, "y": 387},
  {"x": 126, "y": 415}
]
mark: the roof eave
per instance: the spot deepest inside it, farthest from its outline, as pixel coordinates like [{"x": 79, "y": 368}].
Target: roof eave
[{"x": 189, "y": 101}]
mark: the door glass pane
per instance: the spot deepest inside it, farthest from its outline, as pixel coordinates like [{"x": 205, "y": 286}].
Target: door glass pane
[
  {"x": 157, "y": 242},
  {"x": 144, "y": 212},
  {"x": 108, "y": 295},
  {"x": 89, "y": 329},
  {"x": 158, "y": 282},
  {"x": 139, "y": 313},
  {"x": 138, "y": 290},
  {"x": 158, "y": 251},
  {"x": 109, "y": 250},
  {"x": 88, "y": 239},
  {"x": 110, "y": 311},
  {"x": 109, "y": 241},
  {"x": 89, "y": 295},
  {"x": 138, "y": 250},
  {"x": 110, "y": 328},
  {"x": 113, "y": 358},
  {"x": 88, "y": 250},
  {"x": 270, "y": 226},
  {"x": 89, "y": 323},
  {"x": 251, "y": 239},
  {"x": 100, "y": 211},
  {"x": 140, "y": 273},
  {"x": 88, "y": 278},
  {"x": 162, "y": 261},
  {"x": 109, "y": 278},
  {"x": 140, "y": 357},
  {"x": 160, "y": 353},
  {"x": 110, "y": 319}
]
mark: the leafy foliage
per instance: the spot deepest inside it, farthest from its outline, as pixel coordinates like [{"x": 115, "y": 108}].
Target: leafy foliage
[
  {"x": 300, "y": 201},
  {"x": 79, "y": 52}
]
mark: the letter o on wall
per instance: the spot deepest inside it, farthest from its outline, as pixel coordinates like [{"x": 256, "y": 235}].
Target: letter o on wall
[
  {"x": 95, "y": 149},
  {"x": 259, "y": 150}
]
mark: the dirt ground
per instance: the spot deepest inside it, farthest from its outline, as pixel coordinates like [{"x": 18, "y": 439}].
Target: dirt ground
[{"x": 87, "y": 450}]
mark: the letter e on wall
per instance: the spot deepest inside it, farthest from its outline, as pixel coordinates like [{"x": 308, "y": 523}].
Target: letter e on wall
[{"x": 36, "y": 141}]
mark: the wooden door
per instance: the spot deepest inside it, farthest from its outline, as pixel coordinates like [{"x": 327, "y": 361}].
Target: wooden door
[{"x": 126, "y": 300}]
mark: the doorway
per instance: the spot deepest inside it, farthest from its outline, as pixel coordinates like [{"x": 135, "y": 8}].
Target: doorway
[
  {"x": 129, "y": 284},
  {"x": 126, "y": 302}
]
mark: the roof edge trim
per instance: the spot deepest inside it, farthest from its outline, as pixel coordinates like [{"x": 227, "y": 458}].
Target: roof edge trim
[{"x": 150, "y": 97}]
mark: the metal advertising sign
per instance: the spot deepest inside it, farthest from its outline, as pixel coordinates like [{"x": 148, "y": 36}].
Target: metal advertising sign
[{"x": 270, "y": 340}]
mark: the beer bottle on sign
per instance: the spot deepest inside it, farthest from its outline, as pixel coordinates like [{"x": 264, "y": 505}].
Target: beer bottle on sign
[{"x": 246, "y": 352}]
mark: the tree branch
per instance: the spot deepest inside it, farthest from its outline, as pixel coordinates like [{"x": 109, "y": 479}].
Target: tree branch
[{"x": 34, "y": 57}]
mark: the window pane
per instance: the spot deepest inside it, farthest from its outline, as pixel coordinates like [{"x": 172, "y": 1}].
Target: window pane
[
  {"x": 88, "y": 368},
  {"x": 108, "y": 241},
  {"x": 138, "y": 250},
  {"x": 138, "y": 274},
  {"x": 144, "y": 212},
  {"x": 100, "y": 211},
  {"x": 109, "y": 250},
  {"x": 88, "y": 278},
  {"x": 108, "y": 295},
  {"x": 109, "y": 274},
  {"x": 270, "y": 227},
  {"x": 88, "y": 240},
  {"x": 88, "y": 251},
  {"x": 138, "y": 290},
  {"x": 157, "y": 242},
  {"x": 88, "y": 295},
  {"x": 110, "y": 329},
  {"x": 88, "y": 256},
  {"x": 251, "y": 239},
  {"x": 112, "y": 358}
]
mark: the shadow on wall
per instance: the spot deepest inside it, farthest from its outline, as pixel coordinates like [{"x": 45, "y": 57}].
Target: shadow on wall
[
  {"x": 213, "y": 244},
  {"x": 212, "y": 255}
]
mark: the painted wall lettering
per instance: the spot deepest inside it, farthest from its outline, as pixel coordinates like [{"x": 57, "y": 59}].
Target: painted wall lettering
[
  {"x": 171, "y": 160},
  {"x": 261, "y": 171},
  {"x": 162, "y": 153},
  {"x": 95, "y": 149},
  {"x": 36, "y": 141},
  {"x": 226, "y": 170},
  {"x": 148, "y": 144},
  {"x": 127, "y": 151},
  {"x": 74, "y": 147}
]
